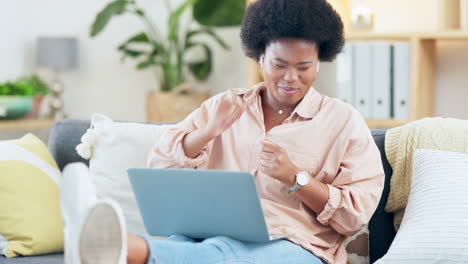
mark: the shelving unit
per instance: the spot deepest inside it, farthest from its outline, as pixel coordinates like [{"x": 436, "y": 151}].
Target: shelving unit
[
  {"x": 25, "y": 124},
  {"x": 423, "y": 69}
]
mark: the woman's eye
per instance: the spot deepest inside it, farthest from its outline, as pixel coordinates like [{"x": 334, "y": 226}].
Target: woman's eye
[
  {"x": 279, "y": 66},
  {"x": 303, "y": 68}
]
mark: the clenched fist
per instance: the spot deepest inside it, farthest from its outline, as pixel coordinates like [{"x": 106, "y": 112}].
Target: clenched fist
[{"x": 275, "y": 162}]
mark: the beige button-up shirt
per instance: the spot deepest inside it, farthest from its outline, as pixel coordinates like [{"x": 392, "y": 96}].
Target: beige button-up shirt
[{"x": 325, "y": 136}]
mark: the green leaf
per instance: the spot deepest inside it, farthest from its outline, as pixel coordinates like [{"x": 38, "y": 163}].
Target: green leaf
[
  {"x": 26, "y": 85},
  {"x": 208, "y": 31},
  {"x": 138, "y": 38},
  {"x": 140, "y": 12},
  {"x": 174, "y": 18},
  {"x": 219, "y": 13},
  {"x": 103, "y": 17},
  {"x": 3, "y": 89},
  {"x": 141, "y": 37},
  {"x": 201, "y": 70},
  {"x": 131, "y": 52},
  {"x": 21, "y": 87},
  {"x": 150, "y": 61},
  {"x": 145, "y": 64},
  {"x": 40, "y": 87},
  {"x": 158, "y": 49}
]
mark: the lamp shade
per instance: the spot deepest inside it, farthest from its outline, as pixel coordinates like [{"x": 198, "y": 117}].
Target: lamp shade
[{"x": 57, "y": 53}]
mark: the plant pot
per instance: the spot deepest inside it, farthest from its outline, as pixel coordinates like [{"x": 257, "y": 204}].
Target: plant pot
[
  {"x": 175, "y": 105},
  {"x": 37, "y": 101},
  {"x": 15, "y": 107}
]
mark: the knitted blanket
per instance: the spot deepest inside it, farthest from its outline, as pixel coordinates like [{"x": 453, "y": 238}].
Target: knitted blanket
[{"x": 447, "y": 134}]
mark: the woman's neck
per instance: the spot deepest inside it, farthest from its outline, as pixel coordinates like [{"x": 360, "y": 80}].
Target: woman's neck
[{"x": 269, "y": 102}]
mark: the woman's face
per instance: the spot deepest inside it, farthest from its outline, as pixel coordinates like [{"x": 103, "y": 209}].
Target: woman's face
[{"x": 289, "y": 70}]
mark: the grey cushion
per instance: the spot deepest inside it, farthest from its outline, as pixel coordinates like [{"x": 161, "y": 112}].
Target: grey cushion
[
  {"x": 44, "y": 259},
  {"x": 64, "y": 136}
]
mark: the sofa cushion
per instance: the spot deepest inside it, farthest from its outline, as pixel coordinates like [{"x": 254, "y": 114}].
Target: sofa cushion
[
  {"x": 43, "y": 259},
  {"x": 119, "y": 146},
  {"x": 434, "y": 227},
  {"x": 63, "y": 138},
  {"x": 30, "y": 219}
]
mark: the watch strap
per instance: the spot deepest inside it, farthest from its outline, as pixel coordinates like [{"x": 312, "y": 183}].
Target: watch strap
[{"x": 294, "y": 188}]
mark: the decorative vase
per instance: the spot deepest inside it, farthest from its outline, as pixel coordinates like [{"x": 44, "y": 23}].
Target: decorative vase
[
  {"x": 15, "y": 107},
  {"x": 175, "y": 105}
]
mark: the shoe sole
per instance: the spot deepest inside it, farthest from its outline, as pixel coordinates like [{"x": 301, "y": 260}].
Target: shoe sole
[{"x": 103, "y": 236}]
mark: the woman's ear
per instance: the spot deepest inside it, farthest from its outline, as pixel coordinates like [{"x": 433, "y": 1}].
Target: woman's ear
[{"x": 318, "y": 66}]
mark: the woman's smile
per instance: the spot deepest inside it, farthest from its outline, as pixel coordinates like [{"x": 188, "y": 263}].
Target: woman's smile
[{"x": 288, "y": 90}]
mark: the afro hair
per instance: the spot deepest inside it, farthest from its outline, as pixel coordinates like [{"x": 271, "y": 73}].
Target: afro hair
[{"x": 314, "y": 20}]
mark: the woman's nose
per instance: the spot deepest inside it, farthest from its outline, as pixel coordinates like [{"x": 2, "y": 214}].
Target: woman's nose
[{"x": 291, "y": 75}]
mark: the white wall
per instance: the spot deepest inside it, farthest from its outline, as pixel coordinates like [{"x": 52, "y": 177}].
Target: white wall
[{"x": 101, "y": 83}]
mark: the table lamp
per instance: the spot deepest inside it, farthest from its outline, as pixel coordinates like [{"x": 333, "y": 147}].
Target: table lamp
[{"x": 57, "y": 54}]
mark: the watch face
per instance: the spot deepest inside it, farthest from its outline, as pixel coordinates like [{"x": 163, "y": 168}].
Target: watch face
[{"x": 302, "y": 178}]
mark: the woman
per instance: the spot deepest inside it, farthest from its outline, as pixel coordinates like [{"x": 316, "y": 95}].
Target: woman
[{"x": 316, "y": 166}]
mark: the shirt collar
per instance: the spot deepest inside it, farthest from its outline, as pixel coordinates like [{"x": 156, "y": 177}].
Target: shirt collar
[{"x": 307, "y": 108}]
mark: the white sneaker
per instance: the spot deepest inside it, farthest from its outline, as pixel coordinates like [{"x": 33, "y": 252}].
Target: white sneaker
[
  {"x": 77, "y": 196},
  {"x": 103, "y": 238}
]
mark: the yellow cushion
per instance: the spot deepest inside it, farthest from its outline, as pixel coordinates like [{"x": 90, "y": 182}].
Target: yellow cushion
[{"x": 30, "y": 219}]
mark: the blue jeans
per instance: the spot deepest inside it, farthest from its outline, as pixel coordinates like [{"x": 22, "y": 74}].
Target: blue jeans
[{"x": 179, "y": 249}]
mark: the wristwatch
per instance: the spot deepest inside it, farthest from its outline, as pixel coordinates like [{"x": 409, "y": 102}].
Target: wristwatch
[{"x": 302, "y": 178}]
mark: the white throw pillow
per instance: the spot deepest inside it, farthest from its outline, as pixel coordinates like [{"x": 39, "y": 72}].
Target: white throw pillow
[
  {"x": 435, "y": 225},
  {"x": 117, "y": 147}
]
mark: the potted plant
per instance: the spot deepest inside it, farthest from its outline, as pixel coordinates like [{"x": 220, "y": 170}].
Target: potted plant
[
  {"x": 168, "y": 54},
  {"x": 20, "y": 97}
]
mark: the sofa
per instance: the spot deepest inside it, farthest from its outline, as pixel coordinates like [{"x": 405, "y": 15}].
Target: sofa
[{"x": 65, "y": 136}]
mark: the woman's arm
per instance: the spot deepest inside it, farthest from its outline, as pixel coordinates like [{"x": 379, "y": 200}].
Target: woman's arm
[
  {"x": 349, "y": 201},
  {"x": 228, "y": 111},
  {"x": 315, "y": 194},
  {"x": 169, "y": 152},
  {"x": 275, "y": 162},
  {"x": 195, "y": 141},
  {"x": 186, "y": 144},
  {"x": 356, "y": 190}
]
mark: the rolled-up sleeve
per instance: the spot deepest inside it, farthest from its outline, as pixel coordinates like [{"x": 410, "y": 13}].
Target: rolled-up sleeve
[
  {"x": 355, "y": 192},
  {"x": 169, "y": 151}
]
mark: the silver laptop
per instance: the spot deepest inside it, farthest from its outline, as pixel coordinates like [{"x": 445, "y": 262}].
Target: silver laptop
[{"x": 200, "y": 204}]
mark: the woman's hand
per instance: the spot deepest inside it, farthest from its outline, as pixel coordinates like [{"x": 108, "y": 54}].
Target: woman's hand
[
  {"x": 274, "y": 161},
  {"x": 228, "y": 112}
]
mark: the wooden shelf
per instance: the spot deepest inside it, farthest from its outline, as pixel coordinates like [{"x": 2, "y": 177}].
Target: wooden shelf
[
  {"x": 386, "y": 123},
  {"x": 406, "y": 36},
  {"x": 26, "y": 124}
]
